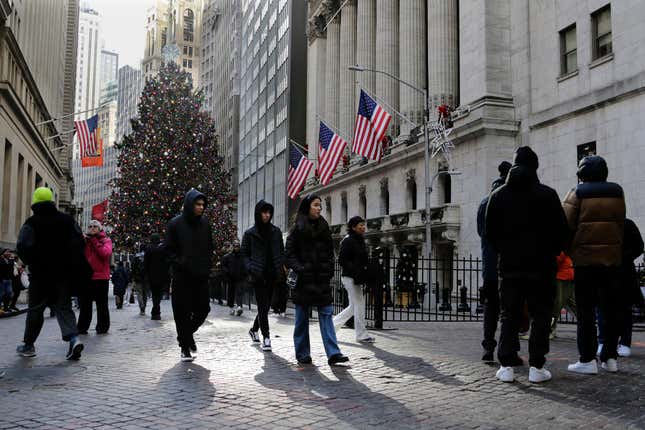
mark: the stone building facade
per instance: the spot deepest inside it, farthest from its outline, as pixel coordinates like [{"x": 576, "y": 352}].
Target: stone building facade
[
  {"x": 566, "y": 78},
  {"x": 37, "y": 79}
]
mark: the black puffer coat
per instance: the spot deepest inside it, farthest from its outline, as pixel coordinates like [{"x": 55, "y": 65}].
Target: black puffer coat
[
  {"x": 525, "y": 222},
  {"x": 310, "y": 253},
  {"x": 233, "y": 266},
  {"x": 189, "y": 240},
  {"x": 632, "y": 249},
  {"x": 155, "y": 263},
  {"x": 353, "y": 257},
  {"x": 257, "y": 251}
]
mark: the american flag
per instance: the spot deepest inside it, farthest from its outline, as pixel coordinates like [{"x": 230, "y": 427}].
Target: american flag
[
  {"x": 88, "y": 136},
  {"x": 371, "y": 123},
  {"x": 331, "y": 149},
  {"x": 299, "y": 168}
]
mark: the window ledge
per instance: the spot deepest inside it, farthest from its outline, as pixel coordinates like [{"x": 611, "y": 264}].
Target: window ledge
[
  {"x": 567, "y": 76},
  {"x": 602, "y": 60}
]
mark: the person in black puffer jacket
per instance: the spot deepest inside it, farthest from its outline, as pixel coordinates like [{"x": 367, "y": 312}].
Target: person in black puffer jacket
[
  {"x": 263, "y": 253},
  {"x": 155, "y": 269},
  {"x": 353, "y": 258},
  {"x": 310, "y": 253},
  {"x": 526, "y": 225},
  {"x": 235, "y": 275},
  {"x": 189, "y": 246}
]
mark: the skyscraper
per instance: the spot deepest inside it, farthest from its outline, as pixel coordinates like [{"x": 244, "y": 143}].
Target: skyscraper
[
  {"x": 88, "y": 64},
  {"x": 108, "y": 71},
  {"x": 272, "y": 103},
  {"x": 130, "y": 85},
  {"x": 220, "y": 76}
]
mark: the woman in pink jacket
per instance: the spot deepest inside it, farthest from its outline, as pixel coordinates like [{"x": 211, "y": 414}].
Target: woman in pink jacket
[{"x": 98, "y": 249}]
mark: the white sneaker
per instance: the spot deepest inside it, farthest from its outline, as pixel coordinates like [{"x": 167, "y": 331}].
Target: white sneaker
[
  {"x": 590, "y": 368},
  {"x": 239, "y": 311},
  {"x": 624, "y": 351},
  {"x": 539, "y": 375},
  {"x": 232, "y": 311},
  {"x": 505, "y": 374},
  {"x": 599, "y": 349},
  {"x": 611, "y": 365},
  {"x": 266, "y": 344}
]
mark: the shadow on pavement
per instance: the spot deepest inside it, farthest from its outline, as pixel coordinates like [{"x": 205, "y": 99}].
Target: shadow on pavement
[
  {"x": 187, "y": 386},
  {"x": 348, "y": 399}
]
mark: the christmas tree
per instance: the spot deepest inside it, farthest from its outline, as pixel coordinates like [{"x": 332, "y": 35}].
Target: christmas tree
[{"x": 172, "y": 148}]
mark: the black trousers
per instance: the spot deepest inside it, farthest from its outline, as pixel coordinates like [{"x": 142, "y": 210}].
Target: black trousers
[
  {"x": 539, "y": 295},
  {"x": 597, "y": 287},
  {"x": 279, "y": 300},
  {"x": 235, "y": 293},
  {"x": 263, "y": 295},
  {"x": 156, "y": 291},
  {"x": 490, "y": 293},
  {"x": 190, "y": 306},
  {"x": 96, "y": 291},
  {"x": 56, "y": 296}
]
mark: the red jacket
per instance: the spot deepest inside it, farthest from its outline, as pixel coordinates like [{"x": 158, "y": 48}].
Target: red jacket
[
  {"x": 565, "y": 268},
  {"x": 98, "y": 250}
]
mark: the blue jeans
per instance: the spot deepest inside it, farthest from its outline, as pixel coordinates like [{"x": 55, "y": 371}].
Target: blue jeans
[
  {"x": 6, "y": 292},
  {"x": 301, "y": 331}
]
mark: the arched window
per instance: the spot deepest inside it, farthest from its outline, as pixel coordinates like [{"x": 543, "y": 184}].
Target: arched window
[
  {"x": 447, "y": 188},
  {"x": 385, "y": 197},
  {"x": 362, "y": 201},
  {"x": 411, "y": 191},
  {"x": 164, "y": 37},
  {"x": 152, "y": 39},
  {"x": 189, "y": 24},
  {"x": 343, "y": 207}
]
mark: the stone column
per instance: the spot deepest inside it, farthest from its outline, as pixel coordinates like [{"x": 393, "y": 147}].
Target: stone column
[
  {"x": 443, "y": 53},
  {"x": 332, "y": 73},
  {"x": 316, "y": 59},
  {"x": 366, "y": 43},
  {"x": 412, "y": 60},
  {"x": 387, "y": 57},
  {"x": 348, "y": 99}
]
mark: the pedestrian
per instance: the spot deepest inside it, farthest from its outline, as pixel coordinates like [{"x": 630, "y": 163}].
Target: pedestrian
[
  {"x": 98, "y": 250},
  {"x": 310, "y": 254},
  {"x": 119, "y": 284},
  {"x": 629, "y": 294},
  {"x": 6, "y": 279},
  {"x": 353, "y": 259},
  {"x": 234, "y": 272},
  {"x": 51, "y": 244},
  {"x": 155, "y": 268},
  {"x": 189, "y": 247},
  {"x": 526, "y": 226},
  {"x": 490, "y": 287},
  {"x": 263, "y": 254},
  {"x": 563, "y": 291},
  {"x": 595, "y": 211},
  {"x": 139, "y": 284},
  {"x": 280, "y": 298},
  {"x": 19, "y": 282}
]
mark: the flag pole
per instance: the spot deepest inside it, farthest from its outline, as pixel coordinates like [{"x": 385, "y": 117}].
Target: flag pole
[
  {"x": 389, "y": 106},
  {"x": 334, "y": 129}
]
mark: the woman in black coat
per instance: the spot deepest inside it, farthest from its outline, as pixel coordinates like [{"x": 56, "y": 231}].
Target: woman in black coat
[{"x": 310, "y": 253}]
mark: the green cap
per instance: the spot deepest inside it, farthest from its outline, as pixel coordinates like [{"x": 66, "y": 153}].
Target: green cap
[{"x": 42, "y": 194}]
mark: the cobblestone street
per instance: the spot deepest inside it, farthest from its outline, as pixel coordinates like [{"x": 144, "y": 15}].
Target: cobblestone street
[{"x": 423, "y": 375}]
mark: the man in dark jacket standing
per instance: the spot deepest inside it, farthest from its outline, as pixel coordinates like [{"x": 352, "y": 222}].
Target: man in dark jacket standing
[
  {"x": 490, "y": 290},
  {"x": 595, "y": 211},
  {"x": 235, "y": 275},
  {"x": 51, "y": 244},
  {"x": 155, "y": 269},
  {"x": 189, "y": 246},
  {"x": 526, "y": 225},
  {"x": 263, "y": 253}
]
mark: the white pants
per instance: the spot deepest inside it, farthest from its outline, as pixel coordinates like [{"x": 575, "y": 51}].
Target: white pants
[{"x": 356, "y": 308}]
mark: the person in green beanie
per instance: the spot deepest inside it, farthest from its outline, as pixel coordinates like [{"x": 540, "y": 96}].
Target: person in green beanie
[{"x": 51, "y": 244}]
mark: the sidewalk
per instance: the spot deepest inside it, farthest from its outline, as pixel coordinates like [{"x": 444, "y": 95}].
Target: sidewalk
[{"x": 423, "y": 375}]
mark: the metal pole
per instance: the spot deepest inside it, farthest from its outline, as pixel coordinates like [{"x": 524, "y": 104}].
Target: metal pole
[{"x": 426, "y": 144}]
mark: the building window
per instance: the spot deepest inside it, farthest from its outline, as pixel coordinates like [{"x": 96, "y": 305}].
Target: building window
[
  {"x": 343, "y": 207},
  {"x": 328, "y": 208},
  {"x": 568, "y": 50},
  {"x": 189, "y": 22},
  {"x": 601, "y": 32},
  {"x": 411, "y": 191},
  {"x": 385, "y": 197},
  {"x": 185, "y": 63},
  {"x": 164, "y": 37},
  {"x": 362, "y": 201},
  {"x": 190, "y": 64},
  {"x": 586, "y": 149}
]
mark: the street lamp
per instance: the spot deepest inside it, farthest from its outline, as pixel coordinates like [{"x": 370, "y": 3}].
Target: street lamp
[{"x": 426, "y": 120}]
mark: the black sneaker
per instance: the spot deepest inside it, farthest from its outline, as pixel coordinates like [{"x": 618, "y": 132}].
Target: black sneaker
[
  {"x": 254, "y": 336},
  {"x": 185, "y": 355},
  {"x": 156, "y": 318},
  {"x": 337, "y": 358},
  {"x": 75, "y": 349},
  {"x": 25, "y": 350},
  {"x": 304, "y": 360},
  {"x": 488, "y": 356}
]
